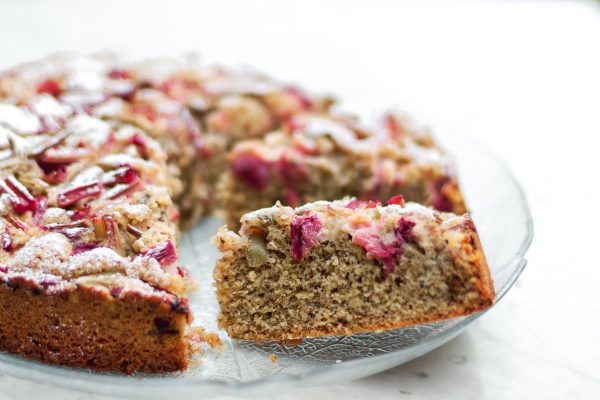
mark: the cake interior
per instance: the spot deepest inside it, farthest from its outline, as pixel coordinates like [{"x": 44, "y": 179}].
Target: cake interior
[{"x": 336, "y": 288}]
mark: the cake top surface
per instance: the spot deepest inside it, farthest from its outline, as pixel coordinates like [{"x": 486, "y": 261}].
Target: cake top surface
[
  {"x": 381, "y": 230},
  {"x": 161, "y": 94},
  {"x": 314, "y": 136},
  {"x": 80, "y": 197}
]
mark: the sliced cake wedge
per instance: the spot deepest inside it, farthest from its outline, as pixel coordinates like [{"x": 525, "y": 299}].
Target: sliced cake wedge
[{"x": 348, "y": 266}]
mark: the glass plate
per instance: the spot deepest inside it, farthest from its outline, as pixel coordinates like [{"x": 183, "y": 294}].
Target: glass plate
[{"x": 500, "y": 211}]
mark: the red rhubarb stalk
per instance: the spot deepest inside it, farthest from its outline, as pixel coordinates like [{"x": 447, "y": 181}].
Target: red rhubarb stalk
[{"x": 92, "y": 189}]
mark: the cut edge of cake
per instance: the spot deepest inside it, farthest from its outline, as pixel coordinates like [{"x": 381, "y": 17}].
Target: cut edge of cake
[
  {"x": 92, "y": 326},
  {"x": 342, "y": 267}
]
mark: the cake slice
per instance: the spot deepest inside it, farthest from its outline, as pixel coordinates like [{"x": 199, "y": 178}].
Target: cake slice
[
  {"x": 348, "y": 266},
  {"x": 324, "y": 157},
  {"x": 89, "y": 271}
]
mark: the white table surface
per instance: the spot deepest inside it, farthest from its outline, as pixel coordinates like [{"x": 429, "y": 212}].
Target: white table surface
[{"x": 523, "y": 77}]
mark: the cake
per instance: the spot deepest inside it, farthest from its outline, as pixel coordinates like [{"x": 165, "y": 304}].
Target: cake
[
  {"x": 89, "y": 272},
  {"x": 325, "y": 157},
  {"x": 348, "y": 266},
  {"x": 195, "y": 111},
  {"x": 103, "y": 159}
]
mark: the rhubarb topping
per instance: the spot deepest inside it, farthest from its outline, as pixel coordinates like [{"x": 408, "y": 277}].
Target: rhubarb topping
[
  {"x": 53, "y": 172},
  {"x": 116, "y": 291},
  {"x": 292, "y": 174},
  {"x": 405, "y": 230},
  {"x": 50, "y": 86},
  {"x": 16, "y": 222},
  {"x": 165, "y": 253},
  {"x": 399, "y": 200},
  {"x": 72, "y": 231},
  {"x": 135, "y": 232},
  {"x": 253, "y": 171},
  {"x": 439, "y": 200},
  {"x": 120, "y": 175},
  {"x": 371, "y": 239},
  {"x": 19, "y": 196},
  {"x": 304, "y": 101},
  {"x": 292, "y": 124},
  {"x": 79, "y": 248},
  {"x": 41, "y": 204},
  {"x": 304, "y": 234},
  {"x": 355, "y": 203},
  {"x": 7, "y": 244},
  {"x": 194, "y": 134},
  {"x": 119, "y": 74},
  {"x": 92, "y": 189},
  {"x": 146, "y": 110},
  {"x": 123, "y": 189},
  {"x": 111, "y": 228},
  {"x": 140, "y": 143},
  {"x": 55, "y": 155},
  {"x": 393, "y": 126}
]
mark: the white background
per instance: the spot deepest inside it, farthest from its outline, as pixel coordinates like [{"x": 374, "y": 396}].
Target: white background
[{"x": 523, "y": 77}]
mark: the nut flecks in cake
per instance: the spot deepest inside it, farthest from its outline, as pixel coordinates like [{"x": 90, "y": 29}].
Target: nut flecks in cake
[{"x": 304, "y": 234}]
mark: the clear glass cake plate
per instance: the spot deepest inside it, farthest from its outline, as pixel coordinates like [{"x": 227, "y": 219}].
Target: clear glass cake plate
[{"x": 500, "y": 211}]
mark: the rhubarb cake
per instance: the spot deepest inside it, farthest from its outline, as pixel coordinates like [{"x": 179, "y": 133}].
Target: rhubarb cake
[
  {"x": 348, "y": 266},
  {"x": 89, "y": 272},
  {"x": 325, "y": 157},
  {"x": 104, "y": 158},
  {"x": 196, "y": 111}
]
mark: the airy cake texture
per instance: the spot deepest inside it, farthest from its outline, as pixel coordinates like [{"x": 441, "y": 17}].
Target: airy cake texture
[{"x": 336, "y": 268}]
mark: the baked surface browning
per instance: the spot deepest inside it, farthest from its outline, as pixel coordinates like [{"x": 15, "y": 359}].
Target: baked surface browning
[{"x": 88, "y": 328}]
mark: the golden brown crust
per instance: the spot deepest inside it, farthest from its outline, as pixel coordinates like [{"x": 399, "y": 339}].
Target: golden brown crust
[{"x": 85, "y": 327}]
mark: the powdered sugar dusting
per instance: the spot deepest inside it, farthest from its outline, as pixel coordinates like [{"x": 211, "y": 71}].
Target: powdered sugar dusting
[{"x": 45, "y": 253}]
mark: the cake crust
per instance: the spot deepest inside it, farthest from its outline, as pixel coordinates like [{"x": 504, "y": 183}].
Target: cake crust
[{"x": 87, "y": 327}]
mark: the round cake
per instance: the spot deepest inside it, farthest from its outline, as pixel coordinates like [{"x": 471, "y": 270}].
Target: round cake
[{"x": 103, "y": 159}]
